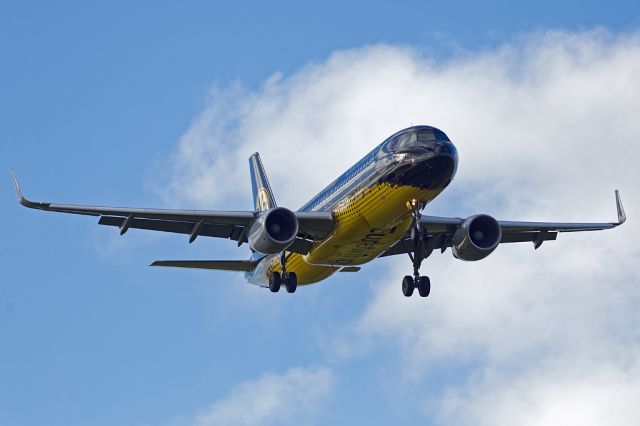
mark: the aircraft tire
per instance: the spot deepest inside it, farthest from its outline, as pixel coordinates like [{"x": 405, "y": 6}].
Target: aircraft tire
[
  {"x": 275, "y": 280},
  {"x": 291, "y": 282},
  {"x": 424, "y": 286},
  {"x": 408, "y": 285}
]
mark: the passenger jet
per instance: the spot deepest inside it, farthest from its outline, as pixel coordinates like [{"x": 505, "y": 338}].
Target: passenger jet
[{"x": 372, "y": 210}]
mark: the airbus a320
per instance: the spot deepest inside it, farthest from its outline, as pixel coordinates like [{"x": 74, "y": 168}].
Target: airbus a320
[{"x": 372, "y": 210}]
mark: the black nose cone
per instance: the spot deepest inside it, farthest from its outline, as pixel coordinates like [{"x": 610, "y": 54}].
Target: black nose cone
[{"x": 428, "y": 165}]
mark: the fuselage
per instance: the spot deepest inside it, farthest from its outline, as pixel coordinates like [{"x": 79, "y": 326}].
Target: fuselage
[{"x": 369, "y": 203}]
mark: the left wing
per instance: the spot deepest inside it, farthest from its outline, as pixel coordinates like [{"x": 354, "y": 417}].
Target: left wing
[
  {"x": 222, "y": 224},
  {"x": 440, "y": 231}
]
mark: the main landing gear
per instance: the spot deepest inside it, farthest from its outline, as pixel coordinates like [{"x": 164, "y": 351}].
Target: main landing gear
[
  {"x": 410, "y": 283},
  {"x": 289, "y": 279}
]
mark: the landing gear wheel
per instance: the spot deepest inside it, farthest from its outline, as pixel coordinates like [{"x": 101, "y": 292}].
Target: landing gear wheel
[
  {"x": 424, "y": 286},
  {"x": 291, "y": 283},
  {"x": 275, "y": 280},
  {"x": 408, "y": 285}
]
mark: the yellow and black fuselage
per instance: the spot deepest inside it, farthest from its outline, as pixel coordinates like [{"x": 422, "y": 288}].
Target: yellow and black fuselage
[{"x": 370, "y": 204}]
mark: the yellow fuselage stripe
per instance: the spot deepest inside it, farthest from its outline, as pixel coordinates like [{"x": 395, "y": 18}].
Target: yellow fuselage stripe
[{"x": 366, "y": 225}]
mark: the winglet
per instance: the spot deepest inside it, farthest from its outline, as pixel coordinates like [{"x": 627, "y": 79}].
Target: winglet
[
  {"x": 622, "y": 218},
  {"x": 21, "y": 198}
]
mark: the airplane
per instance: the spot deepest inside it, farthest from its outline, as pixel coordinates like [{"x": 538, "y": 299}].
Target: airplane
[{"x": 372, "y": 210}]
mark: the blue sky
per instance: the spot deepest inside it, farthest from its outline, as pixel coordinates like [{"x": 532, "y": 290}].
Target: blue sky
[{"x": 161, "y": 104}]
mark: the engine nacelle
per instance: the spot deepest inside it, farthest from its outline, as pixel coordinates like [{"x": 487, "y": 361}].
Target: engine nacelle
[
  {"x": 476, "y": 238},
  {"x": 273, "y": 231}
]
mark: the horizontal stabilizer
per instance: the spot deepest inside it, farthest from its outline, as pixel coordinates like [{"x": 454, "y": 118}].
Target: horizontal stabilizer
[{"x": 220, "y": 265}]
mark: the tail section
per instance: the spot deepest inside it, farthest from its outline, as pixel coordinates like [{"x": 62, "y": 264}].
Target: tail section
[{"x": 263, "y": 198}]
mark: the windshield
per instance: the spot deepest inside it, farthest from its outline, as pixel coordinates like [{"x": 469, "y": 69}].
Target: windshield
[{"x": 428, "y": 135}]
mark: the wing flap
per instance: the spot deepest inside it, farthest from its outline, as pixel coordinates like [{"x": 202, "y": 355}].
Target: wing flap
[
  {"x": 178, "y": 227},
  {"x": 523, "y": 237},
  {"x": 299, "y": 245}
]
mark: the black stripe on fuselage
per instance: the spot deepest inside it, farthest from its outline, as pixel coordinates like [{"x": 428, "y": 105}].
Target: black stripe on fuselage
[{"x": 420, "y": 156}]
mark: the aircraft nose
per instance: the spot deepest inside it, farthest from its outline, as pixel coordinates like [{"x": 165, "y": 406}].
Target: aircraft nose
[
  {"x": 437, "y": 149},
  {"x": 429, "y": 165},
  {"x": 431, "y": 151}
]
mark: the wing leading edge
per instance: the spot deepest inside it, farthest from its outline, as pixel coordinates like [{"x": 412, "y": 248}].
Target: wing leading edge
[{"x": 222, "y": 224}]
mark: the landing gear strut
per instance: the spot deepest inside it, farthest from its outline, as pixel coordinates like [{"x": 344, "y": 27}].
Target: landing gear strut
[
  {"x": 409, "y": 283},
  {"x": 289, "y": 279}
]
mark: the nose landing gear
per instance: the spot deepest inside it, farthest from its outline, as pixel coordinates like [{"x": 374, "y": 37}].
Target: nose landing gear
[{"x": 423, "y": 283}]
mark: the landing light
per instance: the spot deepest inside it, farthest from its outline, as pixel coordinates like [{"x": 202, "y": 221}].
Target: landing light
[{"x": 412, "y": 204}]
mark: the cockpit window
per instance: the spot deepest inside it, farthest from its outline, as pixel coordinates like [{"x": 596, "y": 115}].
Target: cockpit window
[
  {"x": 404, "y": 141},
  {"x": 409, "y": 140},
  {"x": 428, "y": 135}
]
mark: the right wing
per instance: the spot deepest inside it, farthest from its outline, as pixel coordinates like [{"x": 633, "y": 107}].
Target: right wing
[
  {"x": 440, "y": 231},
  {"x": 436, "y": 224},
  {"x": 222, "y": 224}
]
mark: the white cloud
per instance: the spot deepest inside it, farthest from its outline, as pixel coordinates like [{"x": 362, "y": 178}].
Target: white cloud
[
  {"x": 562, "y": 394},
  {"x": 546, "y": 127},
  {"x": 556, "y": 100},
  {"x": 539, "y": 339},
  {"x": 272, "y": 399}
]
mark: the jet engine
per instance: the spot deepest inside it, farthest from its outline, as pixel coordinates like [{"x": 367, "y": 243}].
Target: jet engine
[
  {"x": 273, "y": 231},
  {"x": 476, "y": 238}
]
